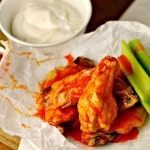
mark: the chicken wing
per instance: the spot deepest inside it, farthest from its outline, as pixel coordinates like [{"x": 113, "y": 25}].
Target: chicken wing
[
  {"x": 128, "y": 119},
  {"x": 59, "y": 73},
  {"x": 67, "y": 91},
  {"x": 125, "y": 123},
  {"x": 97, "y": 107},
  {"x": 124, "y": 93}
]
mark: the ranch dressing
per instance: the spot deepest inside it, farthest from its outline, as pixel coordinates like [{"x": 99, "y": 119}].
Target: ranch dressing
[{"x": 46, "y": 21}]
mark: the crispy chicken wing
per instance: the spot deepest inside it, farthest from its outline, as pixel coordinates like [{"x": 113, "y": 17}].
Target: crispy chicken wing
[
  {"x": 97, "y": 106},
  {"x": 128, "y": 119},
  {"x": 125, "y": 123},
  {"x": 67, "y": 91},
  {"x": 124, "y": 93},
  {"x": 59, "y": 73}
]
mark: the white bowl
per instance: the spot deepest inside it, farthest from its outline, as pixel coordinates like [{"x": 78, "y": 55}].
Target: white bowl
[{"x": 9, "y": 8}]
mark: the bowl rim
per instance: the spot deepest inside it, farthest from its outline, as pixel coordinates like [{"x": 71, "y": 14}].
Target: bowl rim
[{"x": 80, "y": 30}]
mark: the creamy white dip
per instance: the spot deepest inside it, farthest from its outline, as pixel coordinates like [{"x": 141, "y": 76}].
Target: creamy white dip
[{"x": 46, "y": 21}]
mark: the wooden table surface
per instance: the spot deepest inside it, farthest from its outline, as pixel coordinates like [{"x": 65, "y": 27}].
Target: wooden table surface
[
  {"x": 103, "y": 10},
  {"x": 106, "y": 10}
]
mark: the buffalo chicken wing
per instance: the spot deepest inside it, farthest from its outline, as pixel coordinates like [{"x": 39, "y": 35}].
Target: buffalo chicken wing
[
  {"x": 124, "y": 93},
  {"x": 67, "y": 91},
  {"x": 59, "y": 73},
  {"x": 97, "y": 106}
]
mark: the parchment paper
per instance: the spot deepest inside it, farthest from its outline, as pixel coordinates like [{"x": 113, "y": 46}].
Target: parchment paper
[{"x": 23, "y": 68}]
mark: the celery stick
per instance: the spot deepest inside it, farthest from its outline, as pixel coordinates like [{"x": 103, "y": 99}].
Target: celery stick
[
  {"x": 137, "y": 47},
  {"x": 136, "y": 75}
]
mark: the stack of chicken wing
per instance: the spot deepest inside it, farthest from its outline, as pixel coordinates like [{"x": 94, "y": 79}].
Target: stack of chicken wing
[{"x": 98, "y": 99}]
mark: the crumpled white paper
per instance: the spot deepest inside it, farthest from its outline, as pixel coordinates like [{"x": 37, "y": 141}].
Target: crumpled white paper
[{"x": 23, "y": 68}]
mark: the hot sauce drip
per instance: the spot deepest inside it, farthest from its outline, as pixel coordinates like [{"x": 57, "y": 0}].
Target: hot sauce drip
[
  {"x": 83, "y": 101},
  {"x": 69, "y": 58}
]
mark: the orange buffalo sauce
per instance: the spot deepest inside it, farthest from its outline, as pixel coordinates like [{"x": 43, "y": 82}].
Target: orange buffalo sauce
[
  {"x": 126, "y": 63},
  {"x": 40, "y": 114},
  {"x": 121, "y": 138},
  {"x": 74, "y": 133},
  {"x": 69, "y": 58},
  {"x": 132, "y": 135}
]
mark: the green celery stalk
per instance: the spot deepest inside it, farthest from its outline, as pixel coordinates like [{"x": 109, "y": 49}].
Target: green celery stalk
[
  {"x": 139, "y": 51},
  {"x": 136, "y": 75}
]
